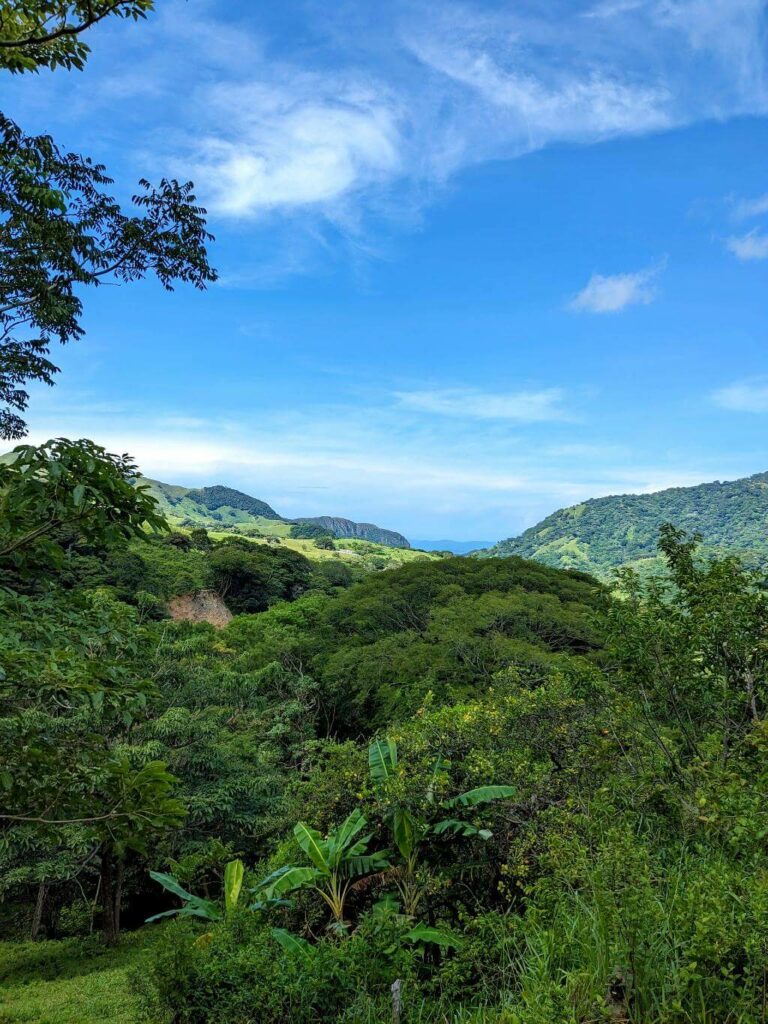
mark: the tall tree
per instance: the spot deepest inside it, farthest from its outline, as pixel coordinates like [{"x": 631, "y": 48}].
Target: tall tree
[
  {"x": 72, "y": 679},
  {"x": 60, "y": 229}
]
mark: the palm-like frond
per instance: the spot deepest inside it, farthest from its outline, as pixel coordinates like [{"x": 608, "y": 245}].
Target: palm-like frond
[{"x": 481, "y": 795}]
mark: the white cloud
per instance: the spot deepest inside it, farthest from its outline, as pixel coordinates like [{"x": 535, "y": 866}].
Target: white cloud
[
  {"x": 423, "y": 475},
  {"x": 520, "y": 407},
  {"x": 519, "y": 78},
  {"x": 748, "y": 208},
  {"x": 436, "y": 89},
  {"x": 747, "y": 396},
  {"x": 305, "y": 140},
  {"x": 612, "y": 293},
  {"x": 752, "y": 246},
  {"x": 527, "y": 109},
  {"x": 367, "y": 110}
]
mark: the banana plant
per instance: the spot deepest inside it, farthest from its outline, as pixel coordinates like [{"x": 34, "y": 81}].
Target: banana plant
[
  {"x": 335, "y": 861},
  {"x": 196, "y": 906},
  {"x": 410, "y": 832}
]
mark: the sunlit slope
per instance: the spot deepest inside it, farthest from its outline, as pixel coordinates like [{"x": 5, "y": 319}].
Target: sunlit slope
[{"x": 601, "y": 534}]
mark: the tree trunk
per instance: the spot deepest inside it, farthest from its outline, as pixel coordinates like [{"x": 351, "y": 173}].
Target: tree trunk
[
  {"x": 111, "y": 891},
  {"x": 118, "y": 899},
  {"x": 37, "y": 917}
]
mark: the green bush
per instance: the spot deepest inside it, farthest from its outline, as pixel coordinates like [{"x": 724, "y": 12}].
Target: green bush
[{"x": 241, "y": 974}]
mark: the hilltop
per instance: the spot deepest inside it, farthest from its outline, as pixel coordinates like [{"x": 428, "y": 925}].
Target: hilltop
[
  {"x": 604, "y": 533},
  {"x": 219, "y": 507}
]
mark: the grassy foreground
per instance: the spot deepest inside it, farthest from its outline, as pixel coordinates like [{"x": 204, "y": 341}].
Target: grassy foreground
[{"x": 72, "y": 981}]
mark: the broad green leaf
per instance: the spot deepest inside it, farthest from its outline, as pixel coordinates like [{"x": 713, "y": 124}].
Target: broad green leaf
[
  {"x": 293, "y": 943},
  {"x": 169, "y": 882},
  {"x": 453, "y": 827},
  {"x": 165, "y": 913},
  {"x": 340, "y": 838},
  {"x": 382, "y": 760},
  {"x": 481, "y": 795},
  {"x": 423, "y": 933},
  {"x": 265, "y": 883},
  {"x": 355, "y": 867},
  {"x": 359, "y": 847},
  {"x": 313, "y": 844},
  {"x": 198, "y": 907},
  {"x": 406, "y": 833},
  {"x": 233, "y": 883},
  {"x": 290, "y": 880},
  {"x": 268, "y": 903}
]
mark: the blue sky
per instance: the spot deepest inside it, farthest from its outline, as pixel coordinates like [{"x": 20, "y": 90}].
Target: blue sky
[{"x": 477, "y": 260}]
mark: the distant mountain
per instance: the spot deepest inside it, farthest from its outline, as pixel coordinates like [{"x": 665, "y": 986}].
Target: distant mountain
[
  {"x": 458, "y": 547},
  {"x": 220, "y": 506},
  {"x": 601, "y": 534},
  {"x": 362, "y": 531}
]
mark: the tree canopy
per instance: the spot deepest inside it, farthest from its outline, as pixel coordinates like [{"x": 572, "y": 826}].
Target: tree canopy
[{"x": 38, "y": 34}]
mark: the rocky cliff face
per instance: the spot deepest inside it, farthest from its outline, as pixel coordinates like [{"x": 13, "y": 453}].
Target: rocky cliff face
[
  {"x": 201, "y": 606},
  {"x": 361, "y": 531}
]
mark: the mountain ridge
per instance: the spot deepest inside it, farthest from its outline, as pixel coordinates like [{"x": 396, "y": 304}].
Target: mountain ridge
[
  {"x": 602, "y": 534},
  {"x": 219, "y": 506}
]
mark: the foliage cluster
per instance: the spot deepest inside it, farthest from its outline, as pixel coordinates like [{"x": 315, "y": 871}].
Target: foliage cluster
[
  {"x": 489, "y": 780},
  {"x": 604, "y": 534}
]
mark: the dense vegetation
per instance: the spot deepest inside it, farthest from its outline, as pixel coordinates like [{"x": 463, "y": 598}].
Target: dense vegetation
[
  {"x": 224, "y": 508},
  {"x": 602, "y": 534},
  {"x": 489, "y": 781}
]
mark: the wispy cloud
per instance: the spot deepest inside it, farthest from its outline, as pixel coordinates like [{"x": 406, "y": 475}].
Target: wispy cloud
[
  {"x": 518, "y": 407},
  {"x": 614, "y": 292},
  {"x": 361, "y": 118},
  {"x": 745, "y": 209},
  {"x": 611, "y": 8},
  {"x": 746, "y": 396},
  {"x": 513, "y": 80},
  {"x": 310, "y": 136},
  {"x": 413, "y": 469},
  {"x": 752, "y": 246},
  {"x": 302, "y": 140}
]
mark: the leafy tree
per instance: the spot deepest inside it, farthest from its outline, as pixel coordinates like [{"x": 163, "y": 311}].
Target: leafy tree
[
  {"x": 250, "y": 577},
  {"x": 38, "y": 34},
  {"x": 67, "y": 486},
  {"x": 200, "y": 539},
  {"x": 70, "y": 688},
  {"x": 308, "y": 531},
  {"x": 61, "y": 231},
  {"x": 70, "y": 790},
  {"x": 692, "y": 646}
]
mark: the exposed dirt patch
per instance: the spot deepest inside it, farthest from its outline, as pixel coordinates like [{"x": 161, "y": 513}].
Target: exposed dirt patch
[{"x": 201, "y": 606}]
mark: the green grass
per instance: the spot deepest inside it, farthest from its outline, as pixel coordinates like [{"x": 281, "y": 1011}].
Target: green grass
[
  {"x": 71, "y": 981},
  {"x": 364, "y": 553}
]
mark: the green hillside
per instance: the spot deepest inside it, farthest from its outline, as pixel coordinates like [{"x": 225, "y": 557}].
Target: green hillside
[
  {"x": 221, "y": 507},
  {"x": 604, "y": 533}
]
